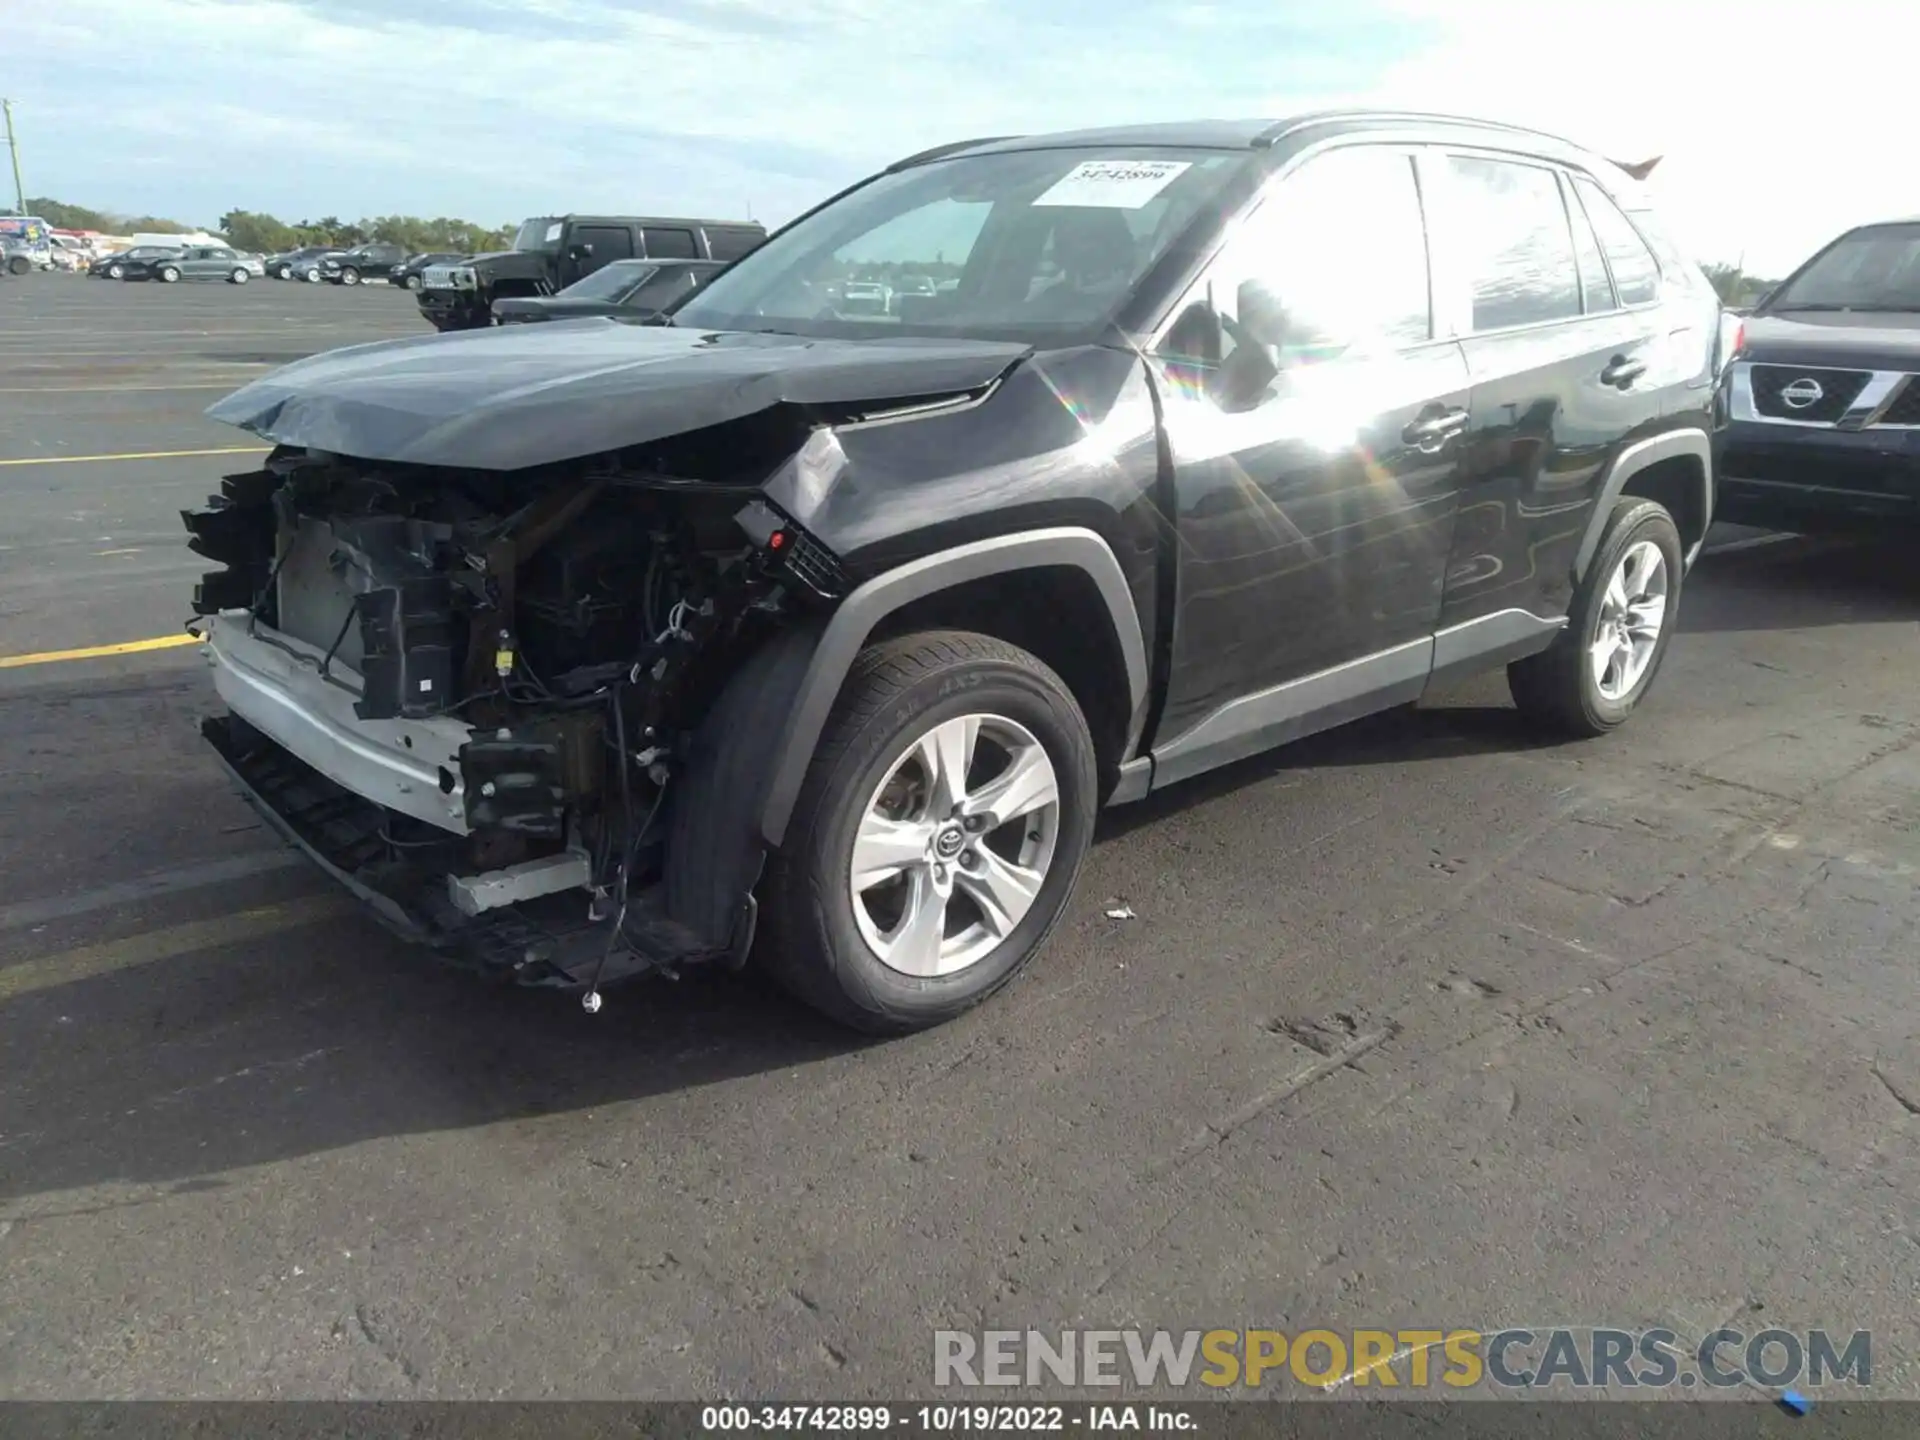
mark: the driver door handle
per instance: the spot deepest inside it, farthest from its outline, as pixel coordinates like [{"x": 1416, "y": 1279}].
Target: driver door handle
[{"x": 1434, "y": 428}]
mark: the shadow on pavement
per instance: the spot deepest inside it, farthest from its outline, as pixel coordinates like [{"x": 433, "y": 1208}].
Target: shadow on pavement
[
  {"x": 177, "y": 1071},
  {"x": 1804, "y": 582}
]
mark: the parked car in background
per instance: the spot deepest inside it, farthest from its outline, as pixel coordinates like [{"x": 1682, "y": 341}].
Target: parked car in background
[
  {"x": 363, "y": 262},
  {"x": 407, "y": 276},
  {"x": 16, "y": 258},
  {"x": 114, "y": 267},
  {"x": 1312, "y": 415},
  {"x": 635, "y": 289},
  {"x": 281, "y": 266},
  {"x": 30, "y": 243},
  {"x": 865, "y": 297},
  {"x": 313, "y": 268},
  {"x": 551, "y": 252},
  {"x": 200, "y": 262},
  {"x": 1823, "y": 398}
]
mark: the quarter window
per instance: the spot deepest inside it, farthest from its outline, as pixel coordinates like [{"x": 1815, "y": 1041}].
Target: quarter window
[
  {"x": 1519, "y": 249},
  {"x": 1635, "y": 270}
]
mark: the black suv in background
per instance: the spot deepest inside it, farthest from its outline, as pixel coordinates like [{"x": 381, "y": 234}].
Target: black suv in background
[
  {"x": 820, "y": 635},
  {"x": 551, "y": 252},
  {"x": 633, "y": 289},
  {"x": 407, "y": 276},
  {"x": 1824, "y": 397},
  {"x": 364, "y": 262}
]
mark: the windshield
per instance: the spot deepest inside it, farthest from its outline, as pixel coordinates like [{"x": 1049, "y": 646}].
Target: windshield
[
  {"x": 609, "y": 282},
  {"x": 1876, "y": 269},
  {"x": 540, "y": 233},
  {"x": 1037, "y": 245}
]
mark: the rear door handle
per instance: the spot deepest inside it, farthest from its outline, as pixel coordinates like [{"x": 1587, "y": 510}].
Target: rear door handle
[
  {"x": 1622, "y": 371},
  {"x": 1433, "y": 430}
]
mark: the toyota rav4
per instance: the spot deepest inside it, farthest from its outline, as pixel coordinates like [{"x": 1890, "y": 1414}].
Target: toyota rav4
[{"x": 818, "y": 635}]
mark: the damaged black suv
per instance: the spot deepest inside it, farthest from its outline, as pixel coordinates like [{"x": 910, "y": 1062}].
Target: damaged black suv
[{"x": 816, "y": 629}]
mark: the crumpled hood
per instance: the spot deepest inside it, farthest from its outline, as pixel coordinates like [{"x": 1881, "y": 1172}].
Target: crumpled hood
[{"x": 523, "y": 395}]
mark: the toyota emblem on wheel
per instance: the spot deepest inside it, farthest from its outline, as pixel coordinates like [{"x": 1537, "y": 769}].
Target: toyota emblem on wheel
[{"x": 1803, "y": 392}]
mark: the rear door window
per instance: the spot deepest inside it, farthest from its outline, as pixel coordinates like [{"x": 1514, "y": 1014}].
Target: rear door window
[
  {"x": 670, "y": 244},
  {"x": 1519, "y": 246},
  {"x": 1636, "y": 274},
  {"x": 1595, "y": 284}
]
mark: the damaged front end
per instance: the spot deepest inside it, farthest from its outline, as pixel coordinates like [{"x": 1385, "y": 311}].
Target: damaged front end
[{"x": 515, "y": 712}]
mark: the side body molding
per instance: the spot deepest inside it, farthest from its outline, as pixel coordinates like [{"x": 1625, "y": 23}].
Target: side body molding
[
  {"x": 847, "y": 630},
  {"x": 1643, "y": 455}
]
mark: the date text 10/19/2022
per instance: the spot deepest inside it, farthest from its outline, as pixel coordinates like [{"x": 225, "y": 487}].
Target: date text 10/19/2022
[{"x": 944, "y": 1419}]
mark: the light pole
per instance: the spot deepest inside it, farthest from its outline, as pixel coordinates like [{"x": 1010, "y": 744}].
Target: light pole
[{"x": 13, "y": 153}]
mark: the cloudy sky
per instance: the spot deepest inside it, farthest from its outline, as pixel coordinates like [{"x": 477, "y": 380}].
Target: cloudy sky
[{"x": 497, "y": 109}]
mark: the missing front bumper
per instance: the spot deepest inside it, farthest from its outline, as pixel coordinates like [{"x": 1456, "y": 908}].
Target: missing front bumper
[{"x": 550, "y": 940}]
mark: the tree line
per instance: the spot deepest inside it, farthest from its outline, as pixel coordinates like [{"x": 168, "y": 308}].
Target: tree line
[{"x": 267, "y": 234}]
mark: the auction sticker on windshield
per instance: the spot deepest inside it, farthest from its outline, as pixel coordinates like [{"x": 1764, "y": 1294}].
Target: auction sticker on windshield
[{"x": 1113, "y": 184}]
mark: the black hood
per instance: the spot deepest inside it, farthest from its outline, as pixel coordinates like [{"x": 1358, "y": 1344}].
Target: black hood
[
  {"x": 529, "y": 260},
  {"x": 525, "y": 395},
  {"x": 1842, "y": 339}
]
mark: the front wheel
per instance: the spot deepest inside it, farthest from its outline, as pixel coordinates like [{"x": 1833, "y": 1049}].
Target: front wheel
[
  {"x": 239, "y": 277},
  {"x": 413, "y": 282},
  {"x": 349, "y": 276},
  {"x": 937, "y": 836},
  {"x": 116, "y": 272},
  {"x": 1618, "y": 629},
  {"x": 285, "y": 272},
  {"x": 314, "y": 277},
  {"x": 168, "y": 274}
]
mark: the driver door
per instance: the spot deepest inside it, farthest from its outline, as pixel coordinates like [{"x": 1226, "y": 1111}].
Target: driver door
[{"x": 1314, "y": 407}]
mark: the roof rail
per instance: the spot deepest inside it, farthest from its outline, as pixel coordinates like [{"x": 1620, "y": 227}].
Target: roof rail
[
  {"x": 951, "y": 148},
  {"x": 1278, "y": 131}
]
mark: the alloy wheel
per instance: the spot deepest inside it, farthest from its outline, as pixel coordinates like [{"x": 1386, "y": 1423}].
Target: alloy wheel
[
  {"x": 954, "y": 845},
  {"x": 1633, "y": 612}
]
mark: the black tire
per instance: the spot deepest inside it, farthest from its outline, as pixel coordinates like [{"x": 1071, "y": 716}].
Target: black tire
[
  {"x": 809, "y": 941},
  {"x": 349, "y": 276},
  {"x": 239, "y": 276},
  {"x": 1556, "y": 690},
  {"x": 414, "y": 282},
  {"x": 116, "y": 272},
  {"x": 168, "y": 274},
  {"x": 284, "y": 272}
]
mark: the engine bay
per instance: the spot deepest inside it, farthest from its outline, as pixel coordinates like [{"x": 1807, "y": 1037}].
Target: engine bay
[{"x": 571, "y": 628}]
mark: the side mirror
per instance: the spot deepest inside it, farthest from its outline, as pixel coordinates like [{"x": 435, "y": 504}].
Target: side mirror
[{"x": 1259, "y": 316}]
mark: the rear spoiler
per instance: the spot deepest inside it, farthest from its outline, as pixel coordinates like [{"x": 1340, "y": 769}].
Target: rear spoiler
[{"x": 1641, "y": 169}]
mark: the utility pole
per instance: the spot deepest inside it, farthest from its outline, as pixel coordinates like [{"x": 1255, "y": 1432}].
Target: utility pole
[{"x": 13, "y": 153}]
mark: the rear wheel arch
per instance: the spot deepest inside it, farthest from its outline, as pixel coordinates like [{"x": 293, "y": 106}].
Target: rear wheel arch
[{"x": 1674, "y": 469}]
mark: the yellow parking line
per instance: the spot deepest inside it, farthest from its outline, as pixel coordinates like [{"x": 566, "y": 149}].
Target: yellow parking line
[
  {"x": 136, "y": 455},
  {"x": 94, "y": 652},
  {"x": 167, "y": 943}
]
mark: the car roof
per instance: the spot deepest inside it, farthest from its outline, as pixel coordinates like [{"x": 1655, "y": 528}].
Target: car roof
[{"x": 1269, "y": 133}]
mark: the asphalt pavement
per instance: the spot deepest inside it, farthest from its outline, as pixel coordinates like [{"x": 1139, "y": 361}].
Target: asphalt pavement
[{"x": 1417, "y": 1022}]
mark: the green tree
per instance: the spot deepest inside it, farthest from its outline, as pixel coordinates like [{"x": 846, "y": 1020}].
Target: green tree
[{"x": 263, "y": 234}]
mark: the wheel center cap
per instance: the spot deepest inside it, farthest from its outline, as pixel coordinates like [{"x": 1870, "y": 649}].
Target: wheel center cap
[{"x": 948, "y": 842}]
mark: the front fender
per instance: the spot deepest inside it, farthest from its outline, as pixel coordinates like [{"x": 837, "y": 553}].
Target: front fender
[{"x": 861, "y": 612}]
